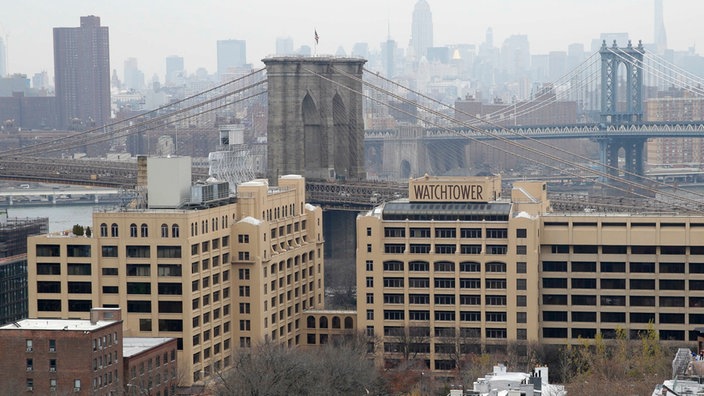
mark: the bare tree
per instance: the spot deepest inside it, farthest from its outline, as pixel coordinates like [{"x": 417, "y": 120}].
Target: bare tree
[
  {"x": 621, "y": 366},
  {"x": 341, "y": 368}
]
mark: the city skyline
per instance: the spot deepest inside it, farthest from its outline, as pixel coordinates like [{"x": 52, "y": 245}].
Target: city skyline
[{"x": 174, "y": 28}]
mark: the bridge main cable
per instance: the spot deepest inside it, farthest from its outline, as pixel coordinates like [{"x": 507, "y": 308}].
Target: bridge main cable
[
  {"x": 696, "y": 204},
  {"x": 73, "y": 140}
]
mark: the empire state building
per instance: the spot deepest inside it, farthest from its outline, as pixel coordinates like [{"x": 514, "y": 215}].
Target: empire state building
[{"x": 421, "y": 29}]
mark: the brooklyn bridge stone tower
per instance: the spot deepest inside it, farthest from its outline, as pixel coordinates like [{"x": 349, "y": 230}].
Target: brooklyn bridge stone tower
[{"x": 315, "y": 125}]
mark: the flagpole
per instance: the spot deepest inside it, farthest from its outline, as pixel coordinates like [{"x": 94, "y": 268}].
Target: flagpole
[{"x": 316, "y": 37}]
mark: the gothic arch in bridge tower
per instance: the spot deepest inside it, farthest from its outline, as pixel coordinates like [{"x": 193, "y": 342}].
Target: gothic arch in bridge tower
[
  {"x": 405, "y": 170},
  {"x": 314, "y": 141},
  {"x": 315, "y": 124},
  {"x": 341, "y": 136}
]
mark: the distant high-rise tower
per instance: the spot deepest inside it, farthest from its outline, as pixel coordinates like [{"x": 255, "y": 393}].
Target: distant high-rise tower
[
  {"x": 133, "y": 77},
  {"x": 82, "y": 73},
  {"x": 489, "y": 37},
  {"x": 174, "y": 69},
  {"x": 421, "y": 29},
  {"x": 231, "y": 54},
  {"x": 659, "y": 28},
  {"x": 3, "y": 58},
  {"x": 284, "y": 46}
]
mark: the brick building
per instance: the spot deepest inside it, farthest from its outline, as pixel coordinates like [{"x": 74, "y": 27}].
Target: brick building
[
  {"x": 57, "y": 356},
  {"x": 149, "y": 365}
]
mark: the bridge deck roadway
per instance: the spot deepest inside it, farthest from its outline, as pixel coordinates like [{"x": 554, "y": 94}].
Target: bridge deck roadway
[
  {"x": 572, "y": 131},
  {"x": 353, "y": 196}
]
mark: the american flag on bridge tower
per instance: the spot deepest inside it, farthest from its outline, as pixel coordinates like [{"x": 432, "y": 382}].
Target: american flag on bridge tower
[{"x": 316, "y": 35}]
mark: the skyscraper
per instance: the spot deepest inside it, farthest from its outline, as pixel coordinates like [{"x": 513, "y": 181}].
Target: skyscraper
[
  {"x": 82, "y": 73},
  {"x": 134, "y": 78},
  {"x": 3, "y": 58},
  {"x": 174, "y": 69},
  {"x": 421, "y": 29},
  {"x": 659, "y": 28},
  {"x": 231, "y": 54},
  {"x": 284, "y": 46}
]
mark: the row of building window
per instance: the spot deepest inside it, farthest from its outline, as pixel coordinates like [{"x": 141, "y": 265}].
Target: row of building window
[
  {"x": 447, "y": 232},
  {"x": 620, "y": 301},
  {"x": 30, "y": 345},
  {"x": 621, "y": 284},
  {"x": 53, "y": 384},
  {"x": 280, "y": 212},
  {"x": 205, "y": 246},
  {"x": 446, "y": 266},
  {"x": 141, "y": 231},
  {"x": 439, "y": 299},
  {"x": 587, "y": 333},
  {"x": 426, "y": 248},
  {"x": 323, "y": 322},
  {"x": 620, "y": 267},
  {"x": 440, "y": 283},
  {"x": 210, "y": 225},
  {"x": 131, "y": 251},
  {"x": 620, "y": 317},
  {"x": 438, "y": 315},
  {"x": 282, "y": 230},
  {"x": 622, "y": 249}
]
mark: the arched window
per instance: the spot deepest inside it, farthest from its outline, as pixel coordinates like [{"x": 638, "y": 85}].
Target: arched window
[
  {"x": 335, "y": 322},
  {"x": 174, "y": 231},
  {"x": 133, "y": 230},
  {"x": 323, "y": 322},
  {"x": 144, "y": 231},
  {"x": 114, "y": 231},
  {"x": 103, "y": 230},
  {"x": 311, "y": 322},
  {"x": 164, "y": 231},
  {"x": 348, "y": 322}
]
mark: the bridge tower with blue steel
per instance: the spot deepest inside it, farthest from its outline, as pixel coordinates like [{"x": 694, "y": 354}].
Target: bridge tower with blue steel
[
  {"x": 622, "y": 105},
  {"x": 315, "y": 121}
]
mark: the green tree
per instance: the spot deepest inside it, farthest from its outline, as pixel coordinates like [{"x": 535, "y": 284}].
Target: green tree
[{"x": 78, "y": 230}]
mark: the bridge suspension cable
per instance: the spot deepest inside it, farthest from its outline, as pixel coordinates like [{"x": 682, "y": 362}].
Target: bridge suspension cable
[
  {"x": 587, "y": 72},
  {"x": 696, "y": 204},
  {"x": 160, "y": 117},
  {"x": 557, "y": 148},
  {"x": 695, "y": 87}
]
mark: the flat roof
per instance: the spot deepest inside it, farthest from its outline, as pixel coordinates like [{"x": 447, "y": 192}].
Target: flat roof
[
  {"x": 132, "y": 346},
  {"x": 402, "y": 209},
  {"x": 58, "y": 324}
]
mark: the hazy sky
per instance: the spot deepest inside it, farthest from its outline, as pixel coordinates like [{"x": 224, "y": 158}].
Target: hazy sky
[{"x": 151, "y": 30}]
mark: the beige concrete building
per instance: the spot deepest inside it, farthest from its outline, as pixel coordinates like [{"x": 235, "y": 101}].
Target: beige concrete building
[
  {"x": 457, "y": 268},
  {"x": 213, "y": 273},
  {"x": 278, "y": 268}
]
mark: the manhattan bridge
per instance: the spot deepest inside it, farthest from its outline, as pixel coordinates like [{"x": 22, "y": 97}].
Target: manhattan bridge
[{"x": 315, "y": 127}]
